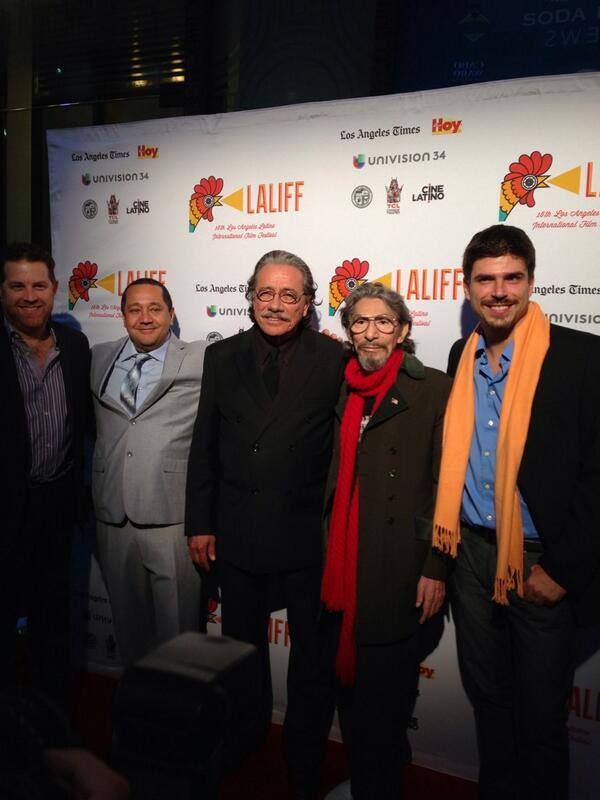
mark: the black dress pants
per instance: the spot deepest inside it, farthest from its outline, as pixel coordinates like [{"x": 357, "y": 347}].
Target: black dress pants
[
  {"x": 245, "y": 612},
  {"x": 374, "y": 716},
  {"x": 34, "y": 582},
  {"x": 517, "y": 667}
]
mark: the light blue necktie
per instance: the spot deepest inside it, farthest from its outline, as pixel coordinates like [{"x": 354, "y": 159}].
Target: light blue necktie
[{"x": 131, "y": 381}]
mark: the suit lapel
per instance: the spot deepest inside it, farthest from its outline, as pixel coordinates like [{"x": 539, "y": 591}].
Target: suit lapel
[
  {"x": 103, "y": 372},
  {"x": 399, "y": 396},
  {"x": 393, "y": 403},
  {"x": 298, "y": 376}
]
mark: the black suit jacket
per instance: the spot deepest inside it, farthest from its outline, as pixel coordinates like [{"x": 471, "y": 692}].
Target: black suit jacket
[
  {"x": 559, "y": 477},
  {"x": 257, "y": 468},
  {"x": 15, "y": 461}
]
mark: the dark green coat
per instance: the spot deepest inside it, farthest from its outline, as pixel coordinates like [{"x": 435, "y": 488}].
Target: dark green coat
[{"x": 397, "y": 468}]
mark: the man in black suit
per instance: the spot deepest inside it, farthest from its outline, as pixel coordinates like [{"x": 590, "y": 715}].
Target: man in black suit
[
  {"x": 521, "y": 469},
  {"x": 258, "y": 464},
  {"x": 44, "y": 369}
]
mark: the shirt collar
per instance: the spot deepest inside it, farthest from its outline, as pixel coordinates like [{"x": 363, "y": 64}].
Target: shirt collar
[
  {"x": 481, "y": 355},
  {"x": 128, "y": 353},
  {"x": 264, "y": 348},
  {"x": 13, "y": 333}
]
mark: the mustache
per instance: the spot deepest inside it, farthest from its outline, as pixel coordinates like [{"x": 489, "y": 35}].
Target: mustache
[{"x": 275, "y": 315}]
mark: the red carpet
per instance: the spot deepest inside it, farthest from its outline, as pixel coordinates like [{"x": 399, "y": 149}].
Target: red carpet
[{"x": 262, "y": 775}]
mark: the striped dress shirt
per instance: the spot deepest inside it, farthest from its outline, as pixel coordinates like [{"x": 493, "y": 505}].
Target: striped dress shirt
[{"x": 46, "y": 411}]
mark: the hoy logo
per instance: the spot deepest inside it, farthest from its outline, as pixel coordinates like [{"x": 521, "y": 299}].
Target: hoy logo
[
  {"x": 143, "y": 151},
  {"x": 442, "y": 125}
]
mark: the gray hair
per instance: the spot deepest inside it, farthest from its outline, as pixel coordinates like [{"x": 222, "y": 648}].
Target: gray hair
[
  {"x": 395, "y": 301},
  {"x": 309, "y": 287}
]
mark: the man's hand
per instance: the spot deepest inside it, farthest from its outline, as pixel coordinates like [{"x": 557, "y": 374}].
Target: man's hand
[
  {"x": 89, "y": 777},
  {"x": 430, "y": 596},
  {"x": 332, "y": 335},
  {"x": 540, "y": 589},
  {"x": 202, "y": 550}
]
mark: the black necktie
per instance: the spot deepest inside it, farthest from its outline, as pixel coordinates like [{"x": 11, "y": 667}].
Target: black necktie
[{"x": 271, "y": 372}]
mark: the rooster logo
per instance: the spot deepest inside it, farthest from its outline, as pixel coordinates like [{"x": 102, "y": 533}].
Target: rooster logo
[
  {"x": 207, "y": 195},
  {"x": 523, "y": 178},
  {"x": 347, "y": 278},
  {"x": 83, "y": 278}
]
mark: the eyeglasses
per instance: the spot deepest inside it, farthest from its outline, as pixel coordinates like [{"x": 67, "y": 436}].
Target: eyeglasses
[
  {"x": 286, "y": 296},
  {"x": 383, "y": 324}
]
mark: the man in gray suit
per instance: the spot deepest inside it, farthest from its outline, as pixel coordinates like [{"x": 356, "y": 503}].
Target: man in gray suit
[{"x": 145, "y": 388}]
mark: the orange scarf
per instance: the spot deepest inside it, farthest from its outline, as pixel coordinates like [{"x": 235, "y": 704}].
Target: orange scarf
[{"x": 532, "y": 339}]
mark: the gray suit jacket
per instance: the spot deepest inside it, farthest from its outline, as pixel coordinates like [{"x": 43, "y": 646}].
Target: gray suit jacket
[{"x": 140, "y": 462}]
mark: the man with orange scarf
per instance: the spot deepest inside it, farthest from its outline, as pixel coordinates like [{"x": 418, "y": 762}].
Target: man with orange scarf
[
  {"x": 382, "y": 576},
  {"x": 519, "y": 507}
]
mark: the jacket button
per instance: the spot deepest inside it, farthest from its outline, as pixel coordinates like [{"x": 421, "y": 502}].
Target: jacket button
[
  {"x": 393, "y": 451},
  {"x": 391, "y": 498},
  {"x": 133, "y": 422},
  {"x": 255, "y": 491},
  {"x": 255, "y": 447},
  {"x": 390, "y": 520},
  {"x": 291, "y": 448},
  {"x": 392, "y": 473},
  {"x": 129, "y": 454}
]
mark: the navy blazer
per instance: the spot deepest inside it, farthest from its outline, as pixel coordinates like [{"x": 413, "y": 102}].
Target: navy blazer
[{"x": 559, "y": 477}]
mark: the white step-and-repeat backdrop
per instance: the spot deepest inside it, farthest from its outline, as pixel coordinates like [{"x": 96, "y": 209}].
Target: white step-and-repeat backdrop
[{"x": 387, "y": 188}]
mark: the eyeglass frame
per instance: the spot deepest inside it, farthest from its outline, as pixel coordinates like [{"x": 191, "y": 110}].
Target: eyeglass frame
[
  {"x": 373, "y": 319},
  {"x": 279, "y": 295}
]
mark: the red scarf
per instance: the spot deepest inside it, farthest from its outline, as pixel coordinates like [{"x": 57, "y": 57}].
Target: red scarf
[{"x": 338, "y": 590}]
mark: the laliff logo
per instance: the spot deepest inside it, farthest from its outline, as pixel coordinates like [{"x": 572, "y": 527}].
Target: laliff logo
[
  {"x": 83, "y": 278},
  {"x": 530, "y": 173},
  {"x": 144, "y": 151},
  {"x": 262, "y": 198},
  {"x": 89, "y": 209},
  {"x": 428, "y": 193},
  {"x": 424, "y": 283},
  {"x": 113, "y": 209},
  {"x": 348, "y": 277},
  {"x": 358, "y": 161},
  {"x": 520, "y": 182},
  {"x": 441, "y": 126},
  {"x": 211, "y": 311},
  {"x": 393, "y": 192},
  {"x": 86, "y": 179},
  {"x": 361, "y": 196}
]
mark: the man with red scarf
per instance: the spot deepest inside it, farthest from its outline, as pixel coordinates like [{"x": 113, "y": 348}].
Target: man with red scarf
[{"x": 382, "y": 577}]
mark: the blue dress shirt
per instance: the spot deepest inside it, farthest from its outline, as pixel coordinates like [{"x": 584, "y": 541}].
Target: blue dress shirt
[
  {"x": 478, "y": 506},
  {"x": 151, "y": 372}
]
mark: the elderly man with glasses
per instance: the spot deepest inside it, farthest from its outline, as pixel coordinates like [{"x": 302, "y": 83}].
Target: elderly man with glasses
[
  {"x": 257, "y": 470},
  {"x": 382, "y": 579}
]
